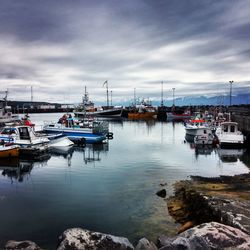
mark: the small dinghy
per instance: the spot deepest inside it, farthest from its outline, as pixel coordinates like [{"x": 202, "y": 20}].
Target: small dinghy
[{"x": 204, "y": 139}]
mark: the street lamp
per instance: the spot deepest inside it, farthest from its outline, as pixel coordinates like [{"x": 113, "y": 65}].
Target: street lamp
[{"x": 231, "y": 83}]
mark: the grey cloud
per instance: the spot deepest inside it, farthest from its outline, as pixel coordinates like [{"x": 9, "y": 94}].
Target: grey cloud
[{"x": 130, "y": 43}]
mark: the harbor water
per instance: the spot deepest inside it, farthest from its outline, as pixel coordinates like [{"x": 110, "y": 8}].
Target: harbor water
[{"x": 109, "y": 187}]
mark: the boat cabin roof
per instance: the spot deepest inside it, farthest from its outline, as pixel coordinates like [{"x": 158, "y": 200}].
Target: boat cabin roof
[{"x": 229, "y": 123}]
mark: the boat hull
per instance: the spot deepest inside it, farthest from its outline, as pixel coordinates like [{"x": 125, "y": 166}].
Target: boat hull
[
  {"x": 142, "y": 116},
  {"x": 101, "y": 113},
  {"x": 9, "y": 151},
  {"x": 195, "y": 131},
  {"x": 77, "y": 135}
]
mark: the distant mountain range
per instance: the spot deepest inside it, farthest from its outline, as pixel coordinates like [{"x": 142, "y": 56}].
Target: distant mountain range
[
  {"x": 216, "y": 100},
  {"x": 203, "y": 100},
  {"x": 185, "y": 101}
]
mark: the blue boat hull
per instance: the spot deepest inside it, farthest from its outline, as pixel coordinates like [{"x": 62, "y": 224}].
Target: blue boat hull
[{"x": 77, "y": 136}]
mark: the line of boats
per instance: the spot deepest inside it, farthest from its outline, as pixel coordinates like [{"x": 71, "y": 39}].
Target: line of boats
[
  {"x": 23, "y": 139},
  {"x": 206, "y": 131}
]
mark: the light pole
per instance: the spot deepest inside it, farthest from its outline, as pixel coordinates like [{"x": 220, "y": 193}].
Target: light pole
[
  {"x": 173, "y": 96},
  {"x": 231, "y": 83}
]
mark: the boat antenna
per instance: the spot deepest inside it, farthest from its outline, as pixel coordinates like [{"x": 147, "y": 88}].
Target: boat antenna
[
  {"x": 111, "y": 97},
  {"x": 162, "y": 93},
  {"x": 106, "y": 82}
]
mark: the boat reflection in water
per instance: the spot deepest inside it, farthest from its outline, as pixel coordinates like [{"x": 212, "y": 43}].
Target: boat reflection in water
[
  {"x": 230, "y": 155},
  {"x": 92, "y": 152},
  {"x": 18, "y": 168},
  {"x": 203, "y": 150}
]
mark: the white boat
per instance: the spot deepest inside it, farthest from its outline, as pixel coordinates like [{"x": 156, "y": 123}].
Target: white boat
[
  {"x": 197, "y": 127},
  {"x": 26, "y": 138},
  {"x": 95, "y": 132},
  {"x": 6, "y": 115},
  {"x": 229, "y": 136},
  {"x": 59, "y": 140},
  {"x": 207, "y": 138}
]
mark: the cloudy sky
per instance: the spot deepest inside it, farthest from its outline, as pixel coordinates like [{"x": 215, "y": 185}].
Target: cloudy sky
[{"x": 59, "y": 46}]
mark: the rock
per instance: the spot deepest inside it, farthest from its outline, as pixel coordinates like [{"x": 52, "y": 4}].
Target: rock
[
  {"x": 22, "y": 245},
  {"x": 162, "y": 193},
  {"x": 78, "y": 238},
  {"x": 211, "y": 235},
  {"x": 144, "y": 244}
]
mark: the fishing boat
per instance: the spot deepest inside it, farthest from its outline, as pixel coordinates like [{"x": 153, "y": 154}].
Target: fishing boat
[
  {"x": 143, "y": 111},
  {"x": 197, "y": 127},
  {"x": 87, "y": 109},
  {"x": 95, "y": 132},
  {"x": 26, "y": 138},
  {"x": 9, "y": 151},
  {"x": 6, "y": 116},
  {"x": 229, "y": 135},
  {"x": 179, "y": 117}
]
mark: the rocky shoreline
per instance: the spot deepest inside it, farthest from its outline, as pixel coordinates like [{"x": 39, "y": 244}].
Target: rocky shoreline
[{"x": 214, "y": 213}]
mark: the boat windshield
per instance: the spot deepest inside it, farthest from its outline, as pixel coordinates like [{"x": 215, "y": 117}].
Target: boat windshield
[{"x": 8, "y": 131}]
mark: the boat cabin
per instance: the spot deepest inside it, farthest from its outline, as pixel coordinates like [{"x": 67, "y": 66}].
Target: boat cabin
[
  {"x": 229, "y": 127},
  {"x": 19, "y": 133}
]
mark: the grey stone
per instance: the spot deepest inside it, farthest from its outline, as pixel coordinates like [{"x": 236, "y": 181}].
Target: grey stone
[
  {"x": 162, "y": 193},
  {"x": 144, "y": 244},
  {"x": 81, "y": 239},
  {"x": 21, "y": 245},
  {"x": 211, "y": 235}
]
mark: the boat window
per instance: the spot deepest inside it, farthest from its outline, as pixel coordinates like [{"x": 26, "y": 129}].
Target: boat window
[
  {"x": 205, "y": 131},
  {"x": 225, "y": 128},
  {"x": 8, "y": 131},
  {"x": 24, "y": 133},
  {"x": 232, "y": 129}
]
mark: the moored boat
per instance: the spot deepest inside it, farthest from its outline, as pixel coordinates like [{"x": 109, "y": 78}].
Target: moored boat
[
  {"x": 87, "y": 109},
  {"x": 95, "y": 132},
  {"x": 205, "y": 138},
  {"x": 6, "y": 115},
  {"x": 142, "y": 112},
  {"x": 196, "y": 127},
  {"x": 229, "y": 135},
  {"x": 180, "y": 117},
  {"x": 25, "y": 137}
]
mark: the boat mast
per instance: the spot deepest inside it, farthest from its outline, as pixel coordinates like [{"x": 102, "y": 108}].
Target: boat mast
[
  {"x": 106, "y": 82},
  {"x": 135, "y": 97}
]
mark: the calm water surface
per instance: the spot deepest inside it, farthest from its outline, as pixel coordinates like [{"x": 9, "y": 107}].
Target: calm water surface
[{"x": 108, "y": 188}]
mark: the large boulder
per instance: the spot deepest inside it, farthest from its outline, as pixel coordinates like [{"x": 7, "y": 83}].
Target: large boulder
[
  {"x": 145, "y": 244},
  {"x": 78, "y": 238},
  {"x": 21, "y": 245},
  {"x": 211, "y": 235}
]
